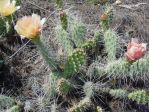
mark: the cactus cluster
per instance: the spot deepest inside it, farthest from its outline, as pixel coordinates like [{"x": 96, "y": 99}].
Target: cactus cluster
[{"x": 110, "y": 79}]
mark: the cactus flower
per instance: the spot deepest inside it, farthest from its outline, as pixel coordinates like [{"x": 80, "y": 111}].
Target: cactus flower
[
  {"x": 135, "y": 50},
  {"x": 29, "y": 26},
  {"x": 7, "y": 7}
]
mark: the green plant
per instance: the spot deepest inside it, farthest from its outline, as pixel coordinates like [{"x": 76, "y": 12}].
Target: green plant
[
  {"x": 59, "y": 3},
  {"x": 63, "y": 86},
  {"x": 77, "y": 31},
  {"x": 6, "y": 102},
  {"x": 15, "y": 108},
  {"x": 74, "y": 62},
  {"x": 89, "y": 67},
  {"x": 5, "y": 26},
  {"x": 52, "y": 62},
  {"x": 140, "y": 96},
  {"x": 110, "y": 40},
  {"x": 63, "y": 39},
  {"x": 64, "y": 20}
]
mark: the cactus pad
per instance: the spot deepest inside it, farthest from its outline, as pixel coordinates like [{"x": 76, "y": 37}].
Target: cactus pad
[
  {"x": 139, "y": 96},
  {"x": 74, "y": 62},
  {"x": 63, "y": 86}
]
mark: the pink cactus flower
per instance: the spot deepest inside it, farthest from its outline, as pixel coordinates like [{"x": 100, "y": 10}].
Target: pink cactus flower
[{"x": 135, "y": 50}]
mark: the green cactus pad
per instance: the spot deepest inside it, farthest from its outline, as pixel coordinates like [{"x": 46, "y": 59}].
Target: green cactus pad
[
  {"x": 88, "y": 44},
  {"x": 77, "y": 31},
  {"x": 110, "y": 39},
  {"x": 140, "y": 96},
  {"x": 74, "y": 62},
  {"x": 63, "y": 38}
]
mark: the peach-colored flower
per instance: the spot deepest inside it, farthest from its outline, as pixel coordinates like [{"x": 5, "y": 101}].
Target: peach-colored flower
[
  {"x": 7, "y": 7},
  {"x": 135, "y": 50},
  {"x": 29, "y": 26}
]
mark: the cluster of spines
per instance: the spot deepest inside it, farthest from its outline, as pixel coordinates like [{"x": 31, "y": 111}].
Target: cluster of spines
[
  {"x": 89, "y": 44},
  {"x": 77, "y": 32},
  {"x": 88, "y": 89},
  {"x": 50, "y": 85},
  {"x": 140, "y": 96},
  {"x": 63, "y": 38},
  {"x": 119, "y": 93},
  {"x": 63, "y": 86},
  {"x": 81, "y": 106},
  {"x": 74, "y": 62},
  {"x": 122, "y": 68},
  {"x": 110, "y": 40}
]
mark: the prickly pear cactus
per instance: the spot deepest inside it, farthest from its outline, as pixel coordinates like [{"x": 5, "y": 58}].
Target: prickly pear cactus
[
  {"x": 140, "y": 96},
  {"x": 74, "y": 62}
]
